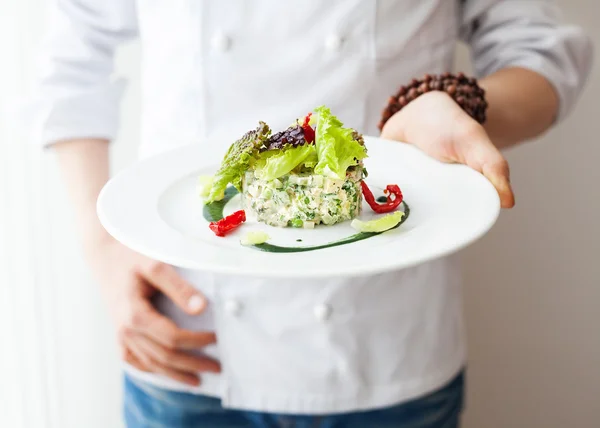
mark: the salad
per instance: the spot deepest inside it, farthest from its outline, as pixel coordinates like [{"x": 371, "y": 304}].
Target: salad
[{"x": 309, "y": 174}]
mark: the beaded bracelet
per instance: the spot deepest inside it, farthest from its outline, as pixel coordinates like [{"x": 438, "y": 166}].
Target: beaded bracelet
[{"x": 464, "y": 90}]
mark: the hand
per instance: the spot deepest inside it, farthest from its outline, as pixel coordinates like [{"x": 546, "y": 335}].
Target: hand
[
  {"x": 148, "y": 340},
  {"x": 437, "y": 125}
]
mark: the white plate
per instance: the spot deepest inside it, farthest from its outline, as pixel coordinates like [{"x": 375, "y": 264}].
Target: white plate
[{"x": 153, "y": 208}]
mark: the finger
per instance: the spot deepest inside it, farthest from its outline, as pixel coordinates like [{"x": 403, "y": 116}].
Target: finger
[
  {"x": 148, "y": 321},
  {"x": 478, "y": 152},
  {"x": 131, "y": 359},
  {"x": 175, "y": 359},
  {"x": 155, "y": 367},
  {"x": 497, "y": 173},
  {"x": 182, "y": 293}
]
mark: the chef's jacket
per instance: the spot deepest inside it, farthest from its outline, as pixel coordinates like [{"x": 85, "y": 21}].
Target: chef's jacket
[{"x": 211, "y": 70}]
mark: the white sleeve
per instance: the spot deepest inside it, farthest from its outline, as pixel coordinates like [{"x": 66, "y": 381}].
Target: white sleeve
[
  {"x": 528, "y": 34},
  {"x": 75, "y": 96}
]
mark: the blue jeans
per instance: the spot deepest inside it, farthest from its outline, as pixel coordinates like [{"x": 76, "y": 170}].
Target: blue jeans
[{"x": 150, "y": 407}]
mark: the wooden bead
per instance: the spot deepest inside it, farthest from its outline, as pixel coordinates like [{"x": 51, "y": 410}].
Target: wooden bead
[{"x": 464, "y": 90}]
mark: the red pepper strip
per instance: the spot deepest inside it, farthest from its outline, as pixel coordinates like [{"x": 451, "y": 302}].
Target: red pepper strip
[
  {"x": 390, "y": 205},
  {"x": 309, "y": 133},
  {"x": 227, "y": 224}
]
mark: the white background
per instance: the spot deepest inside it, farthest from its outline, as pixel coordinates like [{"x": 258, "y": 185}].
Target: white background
[{"x": 532, "y": 292}]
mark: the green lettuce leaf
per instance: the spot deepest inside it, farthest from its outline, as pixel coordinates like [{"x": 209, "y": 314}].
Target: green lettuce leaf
[
  {"x": 276, "y": 163},
  {"x": 237, "y": 160},
  {"x": 336, "y": 147},
  {"x": 312, "y": 159}
]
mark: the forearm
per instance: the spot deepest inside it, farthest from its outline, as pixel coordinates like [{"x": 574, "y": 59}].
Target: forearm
[
  {"x": 522, "y": 105},
  {"x": 84, "y": 165}
]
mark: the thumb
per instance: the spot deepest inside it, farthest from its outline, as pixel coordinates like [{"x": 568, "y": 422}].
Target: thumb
[
  {"x": 393, "y": 130},
  {"x": 166, "y": 279},
  {"x": 480, "y": 154}
]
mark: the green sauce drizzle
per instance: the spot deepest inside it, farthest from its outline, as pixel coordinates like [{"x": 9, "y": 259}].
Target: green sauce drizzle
[{"x": 214, "y": 212}]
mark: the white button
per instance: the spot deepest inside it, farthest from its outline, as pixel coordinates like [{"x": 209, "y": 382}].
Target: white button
[
  {"x": 221, "y": 42},
  {"x": 333, "y": 42},
  {"x": 233, "y": 307},
  {"x": 322, "y": 312}
]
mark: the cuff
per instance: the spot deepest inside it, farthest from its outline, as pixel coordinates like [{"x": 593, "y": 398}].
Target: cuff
[{"x": 93, "y": 113}]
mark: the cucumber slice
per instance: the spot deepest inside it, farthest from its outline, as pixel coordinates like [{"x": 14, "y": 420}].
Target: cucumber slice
[
  {"x": 255, "y": 238},
  {"x": 380, "y": 224}
]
